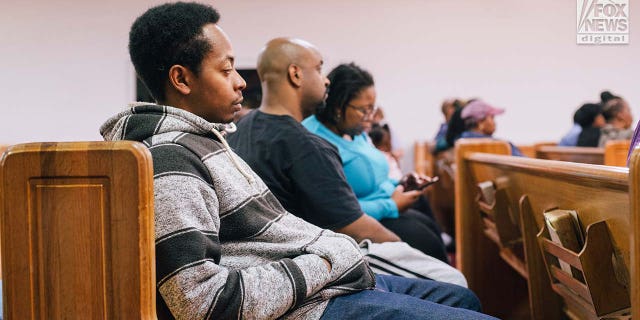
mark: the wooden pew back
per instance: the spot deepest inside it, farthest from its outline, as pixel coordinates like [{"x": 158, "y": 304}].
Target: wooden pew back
[
  {"x": 634, "y": 186},
  {"x": 571, "y": 154},
  {"x": 597, "y": 193},
  {"x": 530, "y": 150},
  {"x": 441, "y": 194},
  {"x": 615, "y": 153},
  {"x": 3, "y": 147},
  {"x": 422, "y": 158},
  {"x": 78, "y": 231}
]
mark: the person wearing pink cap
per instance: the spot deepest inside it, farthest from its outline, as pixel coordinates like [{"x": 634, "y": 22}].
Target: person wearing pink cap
[{"x": 479, "y": 122}]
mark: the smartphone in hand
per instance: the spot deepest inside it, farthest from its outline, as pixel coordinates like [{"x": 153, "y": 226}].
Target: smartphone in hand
[{"x": 412, "y": 181}]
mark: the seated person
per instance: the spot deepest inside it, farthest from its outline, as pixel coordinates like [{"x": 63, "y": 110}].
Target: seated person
[
  {"x": 591, "y": 122},
  {"x": 381, "y": 139},
  {"x": 571, "y": 138},
  {"x": 225, "y": 247},
  {"x": 395, "y": 145},
  {"x": 617, "y": 114},
  {"x": 448, "y": 108},
  {"x": 479, "y": 122},
  {"x": 301, "y": 169},
  {"x": 455, "y": 128},
  {"x": 349, "y": 108}
]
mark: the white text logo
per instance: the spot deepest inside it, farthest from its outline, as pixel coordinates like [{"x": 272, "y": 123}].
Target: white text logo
[{"x": 603, "y": 21}]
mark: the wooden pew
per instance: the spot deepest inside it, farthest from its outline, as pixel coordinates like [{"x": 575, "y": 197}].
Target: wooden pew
[
  {"x": 571, "y": 154},
  {"x": 3, "y": 147},
  {"x": 78, "y": 231},
  {"x": 530, "y": 150},
  {"x": 422, "y": 158},
  {"x": 615, "y": 153},
  {"x": 634, "y": 186},
  {"x": 525, "y": 189},
  {"x": 442, "y": 194}
]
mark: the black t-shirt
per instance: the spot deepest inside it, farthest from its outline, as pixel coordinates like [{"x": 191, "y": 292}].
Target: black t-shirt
[{"x": 302, "y": 170}]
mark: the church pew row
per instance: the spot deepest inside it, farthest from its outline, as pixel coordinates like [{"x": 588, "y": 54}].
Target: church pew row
[
  {"x": 3, "y": 147},
  {"x": 530, "y": 150},
  {"x": 505, "y": 249},
  {"x": 613, "y": 154},
  {"x": 440, "y": 194},
  {"x": 422, "y": 158},
  {"x": 634, "y": 186},
  {"x": 78, "y": 231},
  {"x": 442, "y": 165}
]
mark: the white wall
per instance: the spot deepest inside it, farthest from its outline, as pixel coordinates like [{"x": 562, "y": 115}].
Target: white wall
[{"x": 66, "y": 69}]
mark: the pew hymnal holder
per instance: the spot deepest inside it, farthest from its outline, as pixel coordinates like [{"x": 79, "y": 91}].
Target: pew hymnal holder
[
  {"x": 589, "y": 282},
  {"x": 499, "y": 226},
  {"x": 564, "y": 229},
  {"x": 487, "y": 192}
]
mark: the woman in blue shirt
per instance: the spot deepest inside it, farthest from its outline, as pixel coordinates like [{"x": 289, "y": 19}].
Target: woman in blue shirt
[{"x": 349, "y": 107}]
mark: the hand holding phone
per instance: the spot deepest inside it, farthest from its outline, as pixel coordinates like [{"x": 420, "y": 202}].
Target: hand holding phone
[{"x": 413, "y": 181}]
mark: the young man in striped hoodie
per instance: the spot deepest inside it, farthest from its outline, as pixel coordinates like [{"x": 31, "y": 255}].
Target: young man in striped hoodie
[{"x": 225, "y": 247}]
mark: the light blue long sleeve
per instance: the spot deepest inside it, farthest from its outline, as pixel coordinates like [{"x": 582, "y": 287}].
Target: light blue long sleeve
[
  {"x": 365, "y": 168},
  {"x": 380, "y": 208}
]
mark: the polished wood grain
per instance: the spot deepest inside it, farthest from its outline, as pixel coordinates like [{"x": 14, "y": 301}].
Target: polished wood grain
[
  {"x": 597, "y": 193},
  {"x": 477, "y": 255},
  {"x": 571, "y": 154},
  {"x": 530, "y": 150},
  {"x": 615, "y": 152},
  {"x": 441, "y": 194},
  {"x": 3, "y": 147},
  {"x": 634, "y": 185},
  {"x": 543, "y": 303},
  {"x": 77, "y": 231},
  {"x": 422, "y": 158},
  {"x": 598, "y": 283}
]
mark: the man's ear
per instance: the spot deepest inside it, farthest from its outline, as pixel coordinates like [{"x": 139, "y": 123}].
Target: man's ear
[
  {"x": 295, "y": 75},
  {"x": 180, "y": 79}
]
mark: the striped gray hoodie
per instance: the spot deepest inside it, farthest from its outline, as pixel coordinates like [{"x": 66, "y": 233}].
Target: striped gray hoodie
[{"x": 225, "y": 247}]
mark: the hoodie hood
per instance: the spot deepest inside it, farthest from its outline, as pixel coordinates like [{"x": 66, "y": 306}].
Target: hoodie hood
[{"x": 143, "y": 120}]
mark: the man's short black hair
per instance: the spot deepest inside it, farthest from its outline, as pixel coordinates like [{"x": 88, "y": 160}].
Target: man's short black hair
[
  {"x": 347, "y": 80},
  {"x": 167, "y": 35}
]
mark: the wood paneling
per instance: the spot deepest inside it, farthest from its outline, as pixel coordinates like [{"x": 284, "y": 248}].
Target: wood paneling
[
  {"x": 571, "y": 154},
  {"x": 77, "y": 231},
  {"x": 615, "y": 153},
  {"x": 634, "y": 185}
]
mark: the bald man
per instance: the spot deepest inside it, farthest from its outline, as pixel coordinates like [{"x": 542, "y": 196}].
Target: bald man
[
  {"x": 301, "y": 169},
  {"x": 305, "y": 173}
]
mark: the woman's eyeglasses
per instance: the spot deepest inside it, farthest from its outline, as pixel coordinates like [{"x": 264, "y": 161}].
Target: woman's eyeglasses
[{"x": 365, "y": 111}]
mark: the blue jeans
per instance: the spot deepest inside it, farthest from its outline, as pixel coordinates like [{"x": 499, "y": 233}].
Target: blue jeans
[{"x": 405, "y": 298}]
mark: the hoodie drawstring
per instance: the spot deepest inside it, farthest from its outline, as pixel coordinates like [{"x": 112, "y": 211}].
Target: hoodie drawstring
[{"x": 230, "y": 154}]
